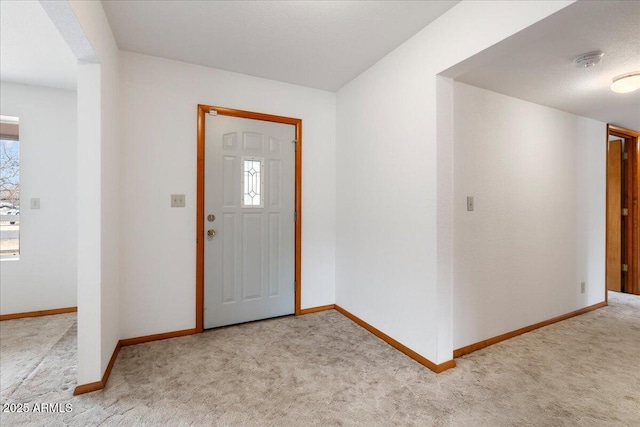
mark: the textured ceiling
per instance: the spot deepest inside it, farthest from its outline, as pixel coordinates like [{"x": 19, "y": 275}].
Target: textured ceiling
[
  {"x": 32, "y": 51},
  {"x": 536, "y": 64},
  {"x": 319, "y": 44}
]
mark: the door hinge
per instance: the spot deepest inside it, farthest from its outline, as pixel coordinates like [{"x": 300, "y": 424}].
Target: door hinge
[
  {"x": 295, "y": 144},
  {"x": 625, "y": 156},
  {"x": 295, "y": 216},
  {"x": 625, "y": 267},
  {"x": 625, "y": 212}
]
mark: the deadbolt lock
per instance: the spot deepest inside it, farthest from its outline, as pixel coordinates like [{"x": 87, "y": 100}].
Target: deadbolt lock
[
  {"x": 211, "y": 218},
  {"x": 211, "y": 233}
]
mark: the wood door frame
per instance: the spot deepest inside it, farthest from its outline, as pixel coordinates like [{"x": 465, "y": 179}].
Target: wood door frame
[
  {"x": 203, "y": 110},
  {"x": 633, "y": 224}
]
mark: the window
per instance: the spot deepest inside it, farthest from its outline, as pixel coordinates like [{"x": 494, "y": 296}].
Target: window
[
  {"x": 252, "y": 182},
  {"x": 9, "y": 188}
]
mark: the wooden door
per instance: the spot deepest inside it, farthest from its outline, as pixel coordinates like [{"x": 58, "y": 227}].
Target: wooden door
[
  {"x": 614, "y": 216},
  {"x": 623, "y": 211}
]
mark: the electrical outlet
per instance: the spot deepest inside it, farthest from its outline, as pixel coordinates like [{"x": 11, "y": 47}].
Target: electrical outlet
[
  {"x": 35, "y": 203},
  {"x": 470, "y": 203},
  {"x": 582, "y": 286},
  {"x": 177, "y": 201}
]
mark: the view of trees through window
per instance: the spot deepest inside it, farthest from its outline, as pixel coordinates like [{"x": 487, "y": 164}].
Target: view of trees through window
[{"x": 9, "y": 188}]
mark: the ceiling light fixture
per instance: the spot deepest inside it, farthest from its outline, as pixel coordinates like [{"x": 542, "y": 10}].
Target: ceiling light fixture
[
  {"x": 590, "y": 59},
  {"x": 626, "y": 83}
]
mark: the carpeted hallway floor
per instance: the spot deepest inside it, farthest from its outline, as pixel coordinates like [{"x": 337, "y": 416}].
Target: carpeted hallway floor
[{"x": 322, "y": 369}]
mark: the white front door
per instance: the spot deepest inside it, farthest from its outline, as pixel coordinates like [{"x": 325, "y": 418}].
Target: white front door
[{"x": 249, "y": 206}]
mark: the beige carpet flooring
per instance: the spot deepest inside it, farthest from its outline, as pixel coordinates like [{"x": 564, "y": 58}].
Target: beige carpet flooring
[
  {"x": 24, "y": 343},
  {"x": 323, "y": 370}
]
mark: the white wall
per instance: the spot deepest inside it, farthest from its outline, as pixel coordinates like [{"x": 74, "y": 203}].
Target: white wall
[
  {"x": 98, "y": 171},
  {"x": 393, "y": 267},
  {"x": 538, "y": 180},
  {"x": 45, "y": 275},
  {"x": 158, "y": 158},
  {"x": 89, "y": 237}
]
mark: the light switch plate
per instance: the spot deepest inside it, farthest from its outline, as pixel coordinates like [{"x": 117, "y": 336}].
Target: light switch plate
[
  {"x": 177, "y": 200},
  {"x": 470, "y": 204},
  {"x": 35, "y": 203}
]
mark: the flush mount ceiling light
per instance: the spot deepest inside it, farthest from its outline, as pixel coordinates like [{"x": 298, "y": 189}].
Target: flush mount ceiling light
[
  {"x": 626, "y": 83},
  {"x": 590, "y": 59}
]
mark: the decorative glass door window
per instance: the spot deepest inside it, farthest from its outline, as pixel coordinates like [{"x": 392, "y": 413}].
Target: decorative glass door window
[{"x": 252, "y": 182}]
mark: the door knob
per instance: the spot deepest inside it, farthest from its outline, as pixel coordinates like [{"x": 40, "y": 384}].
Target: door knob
[{"x": 211, "y": 233}]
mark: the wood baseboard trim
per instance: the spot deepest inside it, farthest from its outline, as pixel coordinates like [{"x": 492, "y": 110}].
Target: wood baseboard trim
[
  {"x": 157, "y": 337},
  {"x": 112, "y": 362},
  {"x": 437, "y": 368},
  {"x": 317, "y": 309},
  {"x": 486, "y": 343},
  {"x": 38, "y": 313},
  {"x": 99, "y": 385},
  {"x": 88, "y": 388}
]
